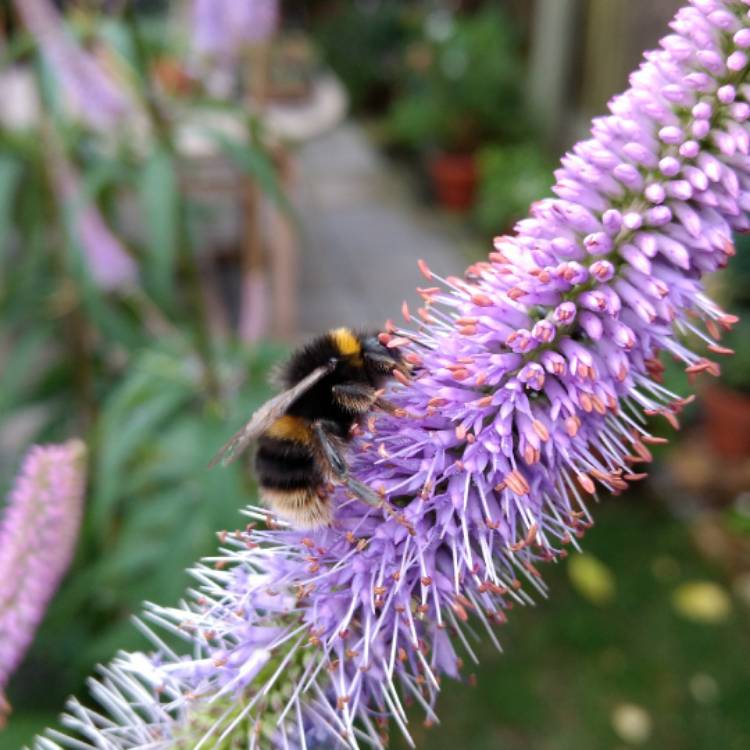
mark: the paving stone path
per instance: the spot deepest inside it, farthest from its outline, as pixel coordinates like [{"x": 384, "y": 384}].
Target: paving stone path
[{"x": 361, "y": 233}]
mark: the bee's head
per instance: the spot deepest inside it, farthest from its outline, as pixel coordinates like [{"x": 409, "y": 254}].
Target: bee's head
[{"x": 379, "y": 359}]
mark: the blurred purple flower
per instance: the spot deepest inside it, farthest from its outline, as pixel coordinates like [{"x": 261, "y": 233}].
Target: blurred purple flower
[
  {"x": 536, "y": 373},
  {"x": 107, "y": 261},
  {"x": 90, "y": 91},
  {"x": 38, "y": 532},
  {"x": 222, "y": 28}
]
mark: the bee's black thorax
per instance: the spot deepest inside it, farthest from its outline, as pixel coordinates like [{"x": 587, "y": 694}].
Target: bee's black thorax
[{"x": 346, "y": 347}]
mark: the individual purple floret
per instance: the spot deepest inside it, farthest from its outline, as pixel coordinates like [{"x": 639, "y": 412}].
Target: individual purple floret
[
  {"x": 534, "y": 375},
  {"x": 38, "y": 532}
]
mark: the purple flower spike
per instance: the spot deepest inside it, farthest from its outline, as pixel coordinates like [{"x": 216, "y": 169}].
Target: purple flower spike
[
  {"x": 38, "y": 532},
  {"x": 533, "y": 376},
  {"x": 222, "y": 28},
  {"x": 107, "y": 261},
  {"x": 91, "y": 93}
]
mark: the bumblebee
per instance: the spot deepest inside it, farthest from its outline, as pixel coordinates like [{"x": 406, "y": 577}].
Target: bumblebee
[{"x": 301, "y": 433}]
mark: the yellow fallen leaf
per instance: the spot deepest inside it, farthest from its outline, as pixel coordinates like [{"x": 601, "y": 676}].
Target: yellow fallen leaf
[
  {"x": 702, "y": 601},
  {"x": 592, "y": 579}
]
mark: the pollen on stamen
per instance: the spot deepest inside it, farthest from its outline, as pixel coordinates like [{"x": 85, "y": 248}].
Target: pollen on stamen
[
  {"x": 585, "y": 481},
  {"x": 654, "y": 440},
  {"x": 517, "y": 483},
  {"x": 413, "y": 359},
  {"x": 572, "y": 425},
  {"x": 401, "y": 377},
  {"x": 540, "y": 430},
  {"x": 482, "y": 300},
  {"x": 397, "y": 342},
  {"x": 424, "y": 269},
  {"x": 723, "y": 350},
  {"x": 428, "y": 293},
  {"x": 713, "y": 329},
  {"x": 531, "y": 455},
  {"x": 726, "y": 321}
]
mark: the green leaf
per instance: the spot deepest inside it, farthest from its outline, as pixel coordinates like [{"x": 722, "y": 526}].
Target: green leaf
[
  {"x": 132, "y": 426},
  {"x": 158, "y": 192},
  {"x": 10, "y": 175},
  {"x": 22, "y": 371},
  {"x": 256, "y": 163},
  {"x": 102, "y": 173}
]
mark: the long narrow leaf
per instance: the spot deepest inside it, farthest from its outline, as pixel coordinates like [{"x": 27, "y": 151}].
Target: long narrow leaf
[
  {"x": 158, "y": 193},
  {"x": 254, "y": 162}
]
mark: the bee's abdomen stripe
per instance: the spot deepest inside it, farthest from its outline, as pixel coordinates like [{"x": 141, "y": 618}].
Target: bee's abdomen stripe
[
  {"x": 290, "y": 428},
  {"x": 285, "y": 464}
]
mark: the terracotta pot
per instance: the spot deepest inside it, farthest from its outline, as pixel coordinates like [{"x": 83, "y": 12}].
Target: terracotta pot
[
  {"x": 727, "y": 415},
  {"x": 455, "y": 180}
]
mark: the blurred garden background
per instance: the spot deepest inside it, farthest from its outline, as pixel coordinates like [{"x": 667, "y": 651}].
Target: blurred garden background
[{"x": 189, "y": 188}]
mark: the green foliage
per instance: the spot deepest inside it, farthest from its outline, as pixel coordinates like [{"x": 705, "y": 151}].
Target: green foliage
[
  {"x": 463, "y": 84},
  {"x": 153, "y": 505},
  {"x": 734, "y": 285},
  {"x": 10, "y": 176},
  {"x": 254, "y": 162},
  {"x": 159, "y": 199},
  {"x": 735, "y": 370},
  {"x": 511, "y": 177},
  {"x": 125, "y": 368},
  {"x": 738, "y": 278},
  {"x": 363, "y": 43}
]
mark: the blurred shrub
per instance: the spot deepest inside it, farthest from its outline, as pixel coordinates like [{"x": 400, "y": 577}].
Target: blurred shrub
[
  {"x": 735, "y": 289},
  {"x": 510, "y": 178},
  {"x": 463, "y": 84},
  {"x": 104, "y": 330},
  {"x": 153, "y": 506},
  {"x": 363, "y": 43},
  {"x": 738, "y": 277},
  {"x": 735, "y": 370}
]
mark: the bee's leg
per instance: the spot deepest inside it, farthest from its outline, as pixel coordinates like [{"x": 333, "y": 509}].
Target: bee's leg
[
  {"x": 389, "y": 407},
  {"x": 327, "y": 440},
  {"x": 363, "y": 492},
  {"x": 356, "y": 398},
  {"x": 387, "y": 364}
]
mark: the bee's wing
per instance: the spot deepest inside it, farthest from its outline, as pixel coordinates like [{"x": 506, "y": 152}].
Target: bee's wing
[{"x": 265, "y": 416}]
